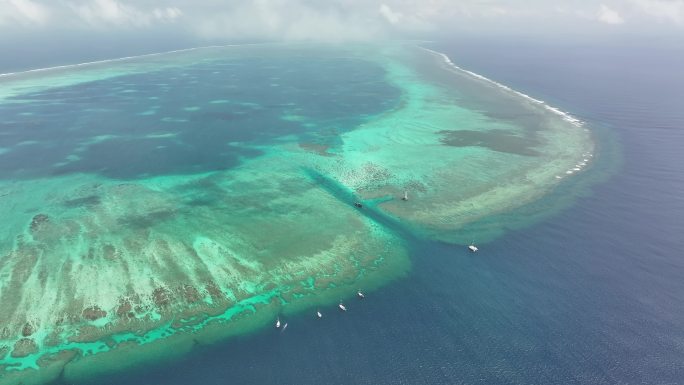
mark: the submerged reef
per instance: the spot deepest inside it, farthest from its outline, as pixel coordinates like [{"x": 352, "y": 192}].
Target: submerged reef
[{"x": 193, "y": 218}]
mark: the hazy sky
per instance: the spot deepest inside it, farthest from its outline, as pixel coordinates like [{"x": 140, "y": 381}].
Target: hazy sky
[
  {"x": 34, "y": 33},
  {"x": 336, "y": 19}
]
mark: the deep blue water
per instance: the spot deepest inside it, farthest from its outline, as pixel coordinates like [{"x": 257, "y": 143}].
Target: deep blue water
[{"x": 590, "y": 295}]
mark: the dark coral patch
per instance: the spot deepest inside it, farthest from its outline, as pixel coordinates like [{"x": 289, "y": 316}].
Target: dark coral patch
[
  {"x": 93, "y": 313},
  {"x": 24, "y": 347},
  {"x": 90, "y": 200},
  {"x": 27, "y": 330},
  {"x": 190, "y": 294},
  {"x": 38, "y": 222},
  {"x": 161, "y": 297},
  {"x": 495, "y": 140}
]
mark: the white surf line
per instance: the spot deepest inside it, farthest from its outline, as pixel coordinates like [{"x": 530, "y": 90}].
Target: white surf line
[
  {"x": 566, "y": 116},
  {"x": 125, "y": 58}
]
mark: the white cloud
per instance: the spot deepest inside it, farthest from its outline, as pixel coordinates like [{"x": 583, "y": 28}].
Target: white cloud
[
  {"x": 338, "y": 19},
  {"x": 169, "y": 13},
  {"x": 23, "y": 12},
  {"x": 389, "y": 15},
  {"x": 662, "y": 10},
  {"x": 100, "y": 13},
  {"x": 609, "y": 16},
  {"x": 286, "y": 20}
]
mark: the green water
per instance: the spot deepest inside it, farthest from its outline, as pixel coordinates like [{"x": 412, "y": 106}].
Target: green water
[{"x": 101, "y": 259}]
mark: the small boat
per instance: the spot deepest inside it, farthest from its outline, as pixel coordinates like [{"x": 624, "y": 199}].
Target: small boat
[
  {"x": 358, "y": 204},
  {"x": 342, "y": 307},
  {"x": 473, "y": 248},
  {"x": 284, "y": 327},
  {"x": 405, "y": 198},
  {"x": 360, "y": 294},
  {"x": 277, "y": 325},
  {"x": 319, "y": 314}
]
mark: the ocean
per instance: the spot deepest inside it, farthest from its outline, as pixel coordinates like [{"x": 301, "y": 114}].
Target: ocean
[{"x": 583, "y": 286}]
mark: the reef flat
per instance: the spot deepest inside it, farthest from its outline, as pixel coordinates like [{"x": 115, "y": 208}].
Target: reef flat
[{"x": 177, "y": 199}]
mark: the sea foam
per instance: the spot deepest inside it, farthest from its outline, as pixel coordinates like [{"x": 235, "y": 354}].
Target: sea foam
[
  {"x": 566, "y": 116},
  {"x": 119, "y": 59}
]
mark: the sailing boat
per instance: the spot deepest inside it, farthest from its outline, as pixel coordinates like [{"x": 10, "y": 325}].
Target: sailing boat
[
  {"x": 277, "y": 324},
  {"x": 405, "y": 198}
]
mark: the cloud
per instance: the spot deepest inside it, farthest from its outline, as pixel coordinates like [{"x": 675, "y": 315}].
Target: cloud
[
  {"x": 23, "y": 12},
  {"x": 662, "y": 10},
  {"x": 99, "y": 13},
  {"x": 389, "y": 15},
  {"x": 337, "y": 20},
  {"x": 609, "y": 16},
  {"x": 169, "y": 13},
  {"x": 287, "y": 20}
]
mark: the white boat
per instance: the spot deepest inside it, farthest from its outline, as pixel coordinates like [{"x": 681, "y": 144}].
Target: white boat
[
  {"x": 277, "y": 325},
  {"x": 319, "y": 314},
  {"x": 473, "y": 248},
  {"x": 360, "y": 294},
  {"x": 342, "y": 307},
  {"x": 284, "y": 327},
  {"x": 405, "y": 198}
]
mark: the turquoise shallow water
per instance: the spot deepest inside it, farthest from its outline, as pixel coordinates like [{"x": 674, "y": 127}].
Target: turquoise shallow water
[{"x": 169, "y": 199}]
